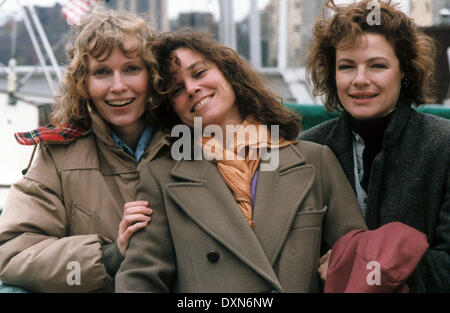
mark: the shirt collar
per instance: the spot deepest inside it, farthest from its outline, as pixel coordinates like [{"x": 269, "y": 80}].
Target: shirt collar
[{"x": 144, "y": 142}]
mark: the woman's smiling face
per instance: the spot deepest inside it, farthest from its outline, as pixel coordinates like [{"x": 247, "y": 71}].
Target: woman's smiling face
[
  {"x": 118, "y": 87},
  {"x": 201, "y": 90},
  {"x": 368, "y": 77}
]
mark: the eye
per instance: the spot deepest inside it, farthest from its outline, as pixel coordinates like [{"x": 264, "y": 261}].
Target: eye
[
  {"x": 379, "y": 66},
  {"x": 345, "y": 67},
  {"x": 199, "y": 73},
  {"x": 176, "y": 91},
  {"x": 133, "y": 69},
  {"x": 101, "y": 72}
]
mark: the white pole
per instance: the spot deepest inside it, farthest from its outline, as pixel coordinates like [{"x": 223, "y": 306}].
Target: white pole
[
  {"x": 45, "y": 42},
  {"x": 133, "y": 6},
  {"x": 227, "y": 31},
  {"x": 165, "y": 25},
  {"x": 152, "y": 8},
  {"x": 120, "y": 5},
  {"x": 232, "y": 28},
  {"x": 223, "y": 36},
  {"x": 255, "y": 36},
  {"x": 222, "y": 23},
  {"x": 448, "y": 56},
  {"x": 282, "y": 34},
  {"x": 13, "y": 38},
  {"x": 38, "y": 50}
]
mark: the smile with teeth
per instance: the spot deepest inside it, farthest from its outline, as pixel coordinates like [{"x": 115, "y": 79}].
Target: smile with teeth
[
  {"x": 363, "y": 97},
  {"x": 201, "y": 103},
  {"x": 119, "y": 103}
]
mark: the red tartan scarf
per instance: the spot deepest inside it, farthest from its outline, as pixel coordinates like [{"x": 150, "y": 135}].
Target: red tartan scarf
[{"x": 62, "y": 134}]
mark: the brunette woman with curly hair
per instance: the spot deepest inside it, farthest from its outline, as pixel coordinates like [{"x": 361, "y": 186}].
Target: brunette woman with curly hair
[
  {"x": 396, "y": 159},
  {"x": 224, "y": 223},
  {"x": 66, "y": 224}
]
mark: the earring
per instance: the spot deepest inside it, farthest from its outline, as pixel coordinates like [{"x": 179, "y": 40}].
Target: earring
[{"x": 406, "y": 82}]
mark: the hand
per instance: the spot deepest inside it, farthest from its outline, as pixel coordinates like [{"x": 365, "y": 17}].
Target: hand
[
  {"x": 136, "y": 215},
  {"x": 323, "y": 268}
]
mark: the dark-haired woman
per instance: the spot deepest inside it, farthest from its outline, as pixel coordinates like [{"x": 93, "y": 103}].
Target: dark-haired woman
[
  {"x": 224, "y": 223},
  {"x": 396, "y": 159}
]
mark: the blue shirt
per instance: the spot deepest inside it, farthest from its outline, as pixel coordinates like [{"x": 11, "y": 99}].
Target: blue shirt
[{"x": 142, "y": 145}]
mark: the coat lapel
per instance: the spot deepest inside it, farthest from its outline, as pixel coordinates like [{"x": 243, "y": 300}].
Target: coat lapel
[
  {"x": 207, "y": 200},
  {"x": 340, "y": 140},
  {"x": 276, "y": 204}
]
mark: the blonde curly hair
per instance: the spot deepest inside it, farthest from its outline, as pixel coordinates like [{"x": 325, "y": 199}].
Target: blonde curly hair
[{"x": 99, "y": 33}]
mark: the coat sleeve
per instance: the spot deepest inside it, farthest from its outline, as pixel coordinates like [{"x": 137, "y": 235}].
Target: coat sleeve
[
  {"x": 36, "y": 251},
  {"x": 150, "y": 263},
  {"x": 344, "y": 213},
  {"x": 433, "y": 272}
]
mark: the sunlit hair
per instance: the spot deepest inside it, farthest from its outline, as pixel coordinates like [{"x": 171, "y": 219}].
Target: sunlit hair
[
  {"x": 252, "y": 96},
  {"x": 98, "y": 34},
  {"x": 415, "y": 51}
]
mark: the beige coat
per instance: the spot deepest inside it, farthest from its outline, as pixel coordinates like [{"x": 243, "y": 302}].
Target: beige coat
[
  {"x": 199, "y": 241},
  {"x": 64, "y": 209}
]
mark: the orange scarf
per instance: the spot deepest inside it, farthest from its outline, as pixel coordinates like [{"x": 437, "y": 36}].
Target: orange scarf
[{"x": 236, "y": 170}]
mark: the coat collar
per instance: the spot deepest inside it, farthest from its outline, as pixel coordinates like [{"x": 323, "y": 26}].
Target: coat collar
[
  {"x": 397, "y": 124},
  {"x": 100, "y": 128},
  {"x": 118, "y": 162},
  {"x": 218, "y": 214},
  {"x": 340, "y": 138}
]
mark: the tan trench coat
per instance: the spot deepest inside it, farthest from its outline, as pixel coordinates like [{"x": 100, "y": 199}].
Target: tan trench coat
[
  {"x": 199, "y": 241},
  {"x": 64, "y": 209}
]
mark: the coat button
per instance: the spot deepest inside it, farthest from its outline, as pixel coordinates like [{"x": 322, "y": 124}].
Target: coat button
[{"x": 213, "y": 256}]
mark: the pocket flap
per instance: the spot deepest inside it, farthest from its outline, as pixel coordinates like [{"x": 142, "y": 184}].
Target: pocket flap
[{"x": 310, "y": 218}]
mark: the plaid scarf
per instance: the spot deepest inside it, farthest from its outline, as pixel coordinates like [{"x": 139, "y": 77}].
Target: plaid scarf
[{"x": 64, "y": 133}]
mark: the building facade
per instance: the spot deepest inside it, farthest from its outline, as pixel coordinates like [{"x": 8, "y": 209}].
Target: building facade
[
  {"x": 300, "y": 17},
  {"x": 156, "y": 10}
]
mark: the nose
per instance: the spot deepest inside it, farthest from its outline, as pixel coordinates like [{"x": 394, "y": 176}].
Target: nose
[
  {"x": 361, "y": 78},
  {"x": 118, "y": 84},
  {"x": 192, "y": 88}
]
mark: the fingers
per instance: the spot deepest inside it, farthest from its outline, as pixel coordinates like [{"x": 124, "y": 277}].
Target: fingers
[
  {"x": 325, "y": 257},
  {"x": 130, "y": 219},
  {"x": 124, "y": 236},
  {"x": 138, "y": 210},
  {"x": 136, "y": 216},
  {"x": 135, "y": 203},
  {"x": 323, "y": 268}
]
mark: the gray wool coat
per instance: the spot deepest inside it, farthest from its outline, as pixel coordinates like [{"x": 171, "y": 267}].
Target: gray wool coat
[
  {"x": 409, "y": 182},
  {"x": 199, "y": 240}
]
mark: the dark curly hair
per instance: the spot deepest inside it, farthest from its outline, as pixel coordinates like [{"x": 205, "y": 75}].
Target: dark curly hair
[
  {"x": 252, "y": 96},
  {"x": 415, "y": 51}
]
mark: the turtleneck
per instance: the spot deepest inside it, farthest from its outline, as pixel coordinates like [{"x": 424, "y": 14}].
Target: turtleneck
[{"x": 372, "y": 132}]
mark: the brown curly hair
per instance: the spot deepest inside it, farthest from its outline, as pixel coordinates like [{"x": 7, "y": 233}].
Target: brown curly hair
[
  {"x": 415, "y": 51},
  {"x": 99, "y": 32},
  {"x": 252, "y": 96}
]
